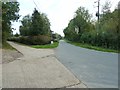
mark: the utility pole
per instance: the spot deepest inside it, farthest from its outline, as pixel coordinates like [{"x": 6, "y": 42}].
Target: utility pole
[
  {"x": 98, "y": 14},
  {"x": 98, "y": 10}
]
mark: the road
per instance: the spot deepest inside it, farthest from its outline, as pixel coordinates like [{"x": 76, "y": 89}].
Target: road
[{"x": 95, "y": 68}]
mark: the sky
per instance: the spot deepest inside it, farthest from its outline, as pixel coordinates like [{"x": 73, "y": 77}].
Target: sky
[{"x": 59, "y": 12}]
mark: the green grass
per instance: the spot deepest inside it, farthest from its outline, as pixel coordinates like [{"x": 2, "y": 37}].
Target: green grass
[
  {"x": 5, "y": 45},
  {"x": 54, "y": 45},
  {"x": 92, "y": 47}
]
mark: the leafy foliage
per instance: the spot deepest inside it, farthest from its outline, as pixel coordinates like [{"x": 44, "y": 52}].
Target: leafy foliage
[
  {"x": 81, "y": 22},
  {"x": 9, "y": 13},
  {"x": 37, "y": 24},
  {"x": 35, "y": 29},
  {"x": 26, "y": 23},
  {"x": 109, "y": 28},
  {"x": 34, "y": 40}
]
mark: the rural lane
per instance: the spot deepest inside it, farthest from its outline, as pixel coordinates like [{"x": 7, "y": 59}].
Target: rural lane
[{"x": 95, "y": 68}]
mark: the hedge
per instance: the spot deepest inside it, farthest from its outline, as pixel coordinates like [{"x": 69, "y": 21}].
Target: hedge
[{"x": 32, "y": 40}]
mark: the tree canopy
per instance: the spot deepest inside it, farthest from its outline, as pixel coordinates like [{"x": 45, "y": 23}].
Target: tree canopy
[
  {"x": 9, "y": 13},
  {"x": 81, "y": 23},
  {"x": 37, "y": 24},
  {"x": 106, "y": 36}
]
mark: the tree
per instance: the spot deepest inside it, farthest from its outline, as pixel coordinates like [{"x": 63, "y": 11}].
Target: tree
[
  {"x": 46, "y": 24},
  {"x": 69, "y": 31},
  {"x": 106, "y": 7},
  {"x": 109, "y": 24},
  {"x": 106, "y": 13},
  {"x": 16, "y": 35},
  {"x": 26, "y": 25},
  {"x": 109, "y": 28},
  {"x": 37, "y": 24},
  {"x": 9, "y": 13},
  {"x": 81, "y": 21}
]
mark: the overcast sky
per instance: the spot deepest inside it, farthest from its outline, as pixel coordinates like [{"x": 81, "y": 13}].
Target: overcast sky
[{"x": 59, "y": 12}]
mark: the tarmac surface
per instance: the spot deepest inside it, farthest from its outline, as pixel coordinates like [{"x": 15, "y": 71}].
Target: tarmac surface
[{"x": 95, "y": 68}]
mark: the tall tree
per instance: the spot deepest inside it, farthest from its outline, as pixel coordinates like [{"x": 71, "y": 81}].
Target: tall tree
[
  {"x": 108, "y": 34},
  {"x": 9, "y": 13},
  {"x": 78, "y": 25},
  {"x": 26, "y": 25},
  {"x": 106, "y": 7},
  {"x": 37, "y": 23},
  {"x": 46, "y": 25},
  {"x": 106, "y": 13}
]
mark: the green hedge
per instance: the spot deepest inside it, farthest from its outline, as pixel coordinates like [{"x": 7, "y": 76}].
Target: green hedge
[{"x": 32, "y": 40}]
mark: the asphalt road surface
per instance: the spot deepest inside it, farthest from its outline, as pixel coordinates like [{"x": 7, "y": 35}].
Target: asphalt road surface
[{"x": 95, "y": 68}]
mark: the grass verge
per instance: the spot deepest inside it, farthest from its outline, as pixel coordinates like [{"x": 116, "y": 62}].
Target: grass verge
[
  {"x": 54, "y": 45},
  {"x": 92, "y": 47},
  {"x": 5, "y": 45}
]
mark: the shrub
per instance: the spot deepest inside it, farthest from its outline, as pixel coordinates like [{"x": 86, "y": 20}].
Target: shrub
[{"x": 32, "y": 40}]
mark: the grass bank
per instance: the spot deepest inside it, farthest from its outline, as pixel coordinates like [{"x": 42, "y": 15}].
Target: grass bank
[
  {"x": 54, "y": 45},
  {"x": 6, "y": 45},
  {"x": 88, "y": 46}
]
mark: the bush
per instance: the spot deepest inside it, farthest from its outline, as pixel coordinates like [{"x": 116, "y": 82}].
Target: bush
[
  {"x": 40, "y": 40},
  {"x": 33, "y": 40}
]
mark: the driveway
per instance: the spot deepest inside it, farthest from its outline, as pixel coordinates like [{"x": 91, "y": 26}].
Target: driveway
[{"x": 95, "y": 68}]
